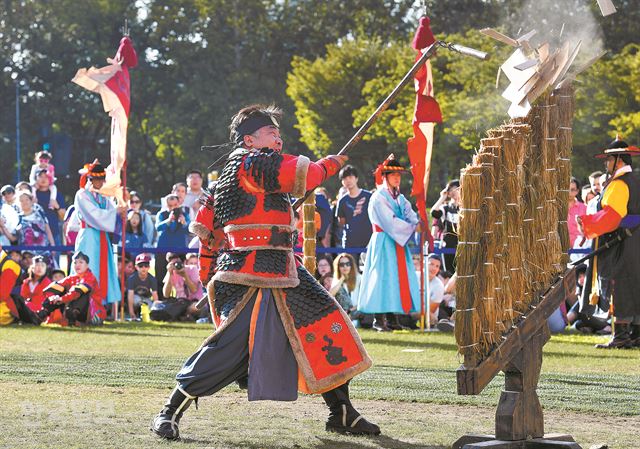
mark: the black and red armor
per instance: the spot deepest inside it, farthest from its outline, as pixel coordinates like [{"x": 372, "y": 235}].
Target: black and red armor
[{"x": 252, "y": 204}]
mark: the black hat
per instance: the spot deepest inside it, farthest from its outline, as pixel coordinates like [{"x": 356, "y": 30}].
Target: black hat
[{"x": 618, "y": 147}]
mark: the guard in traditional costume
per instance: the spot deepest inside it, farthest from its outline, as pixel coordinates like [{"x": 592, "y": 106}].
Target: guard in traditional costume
[
  {"x": 98, "y": 217},
  {"x": 276, "y": 323},
  {"x": 613, "y": 276},
  {"x": 389, "y": 282}
]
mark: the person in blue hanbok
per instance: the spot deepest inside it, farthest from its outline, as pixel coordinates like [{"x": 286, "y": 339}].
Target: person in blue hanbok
[
  {"x": 98, "y": 217},
  {"x": 389, "y": 283}
]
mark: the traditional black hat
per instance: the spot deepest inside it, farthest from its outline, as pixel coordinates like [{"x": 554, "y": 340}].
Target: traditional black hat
[{"x": 618, "y": 147}]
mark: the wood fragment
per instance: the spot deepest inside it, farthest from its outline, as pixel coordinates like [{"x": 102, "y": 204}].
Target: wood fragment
[
  {"x": 606, "y": 7},
  {"x": 526, "y": 65},
  {"x": 499, "y": 37}
]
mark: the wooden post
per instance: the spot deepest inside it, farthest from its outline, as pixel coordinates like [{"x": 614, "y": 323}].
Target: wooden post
[
  {"x": 309, "y": 233},
  {"x": 519, "y": 417}
]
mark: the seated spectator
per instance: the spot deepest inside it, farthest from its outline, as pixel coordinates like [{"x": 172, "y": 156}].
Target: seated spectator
[
  {"x": 326, "y": 280},
  {"x": 436, "y": 287},
  {"x": 182, "y": 283},
  {"x": 323, "y": 266},
  {"x": 148, "y": 228},
  {"x": 345, "y": 282},
  {"x": 32, "y": 290},
  {"x": 70, "y": 301},
  {"x": 142, "y": 287},
  {"x": 57, "y": 275},
  {"x": 447, "y": 307}
]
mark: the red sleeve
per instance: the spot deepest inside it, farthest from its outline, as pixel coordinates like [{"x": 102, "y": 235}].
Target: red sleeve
[
  {"x": 8, "y": 279},
  {"x": 606, "y": 220},
  {"x": 284, "y": 173},
  {"x": 24, "y": 289}
]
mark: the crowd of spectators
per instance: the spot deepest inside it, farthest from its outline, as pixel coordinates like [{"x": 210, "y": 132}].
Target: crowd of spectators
[{"x": 165, "y": 285}]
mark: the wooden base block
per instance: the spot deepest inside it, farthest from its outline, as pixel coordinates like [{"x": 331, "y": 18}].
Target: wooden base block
[{"x": 550, "y": 441}]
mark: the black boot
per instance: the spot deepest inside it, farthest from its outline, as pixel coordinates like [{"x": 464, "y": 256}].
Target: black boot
[
  {"x": 165, "y": 425},
  {"x": 621, "y": 337},
  {"x": 393, "y": 322},
  {"x": 343, "y": 417},
  {"x": 380, "y": 323},
  {"x": 635, "y": 335}
]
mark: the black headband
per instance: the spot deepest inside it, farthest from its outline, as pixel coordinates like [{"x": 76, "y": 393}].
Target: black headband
[{"x": 252, "y": 124}]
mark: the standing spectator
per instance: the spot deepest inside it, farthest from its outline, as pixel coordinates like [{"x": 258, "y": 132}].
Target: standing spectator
[
  {"x": 148, "y": 228},
  {"x": 194, "y": 192},
  {"x": 586, "y": 194},
  {"x": 352, "y": 211},
  {"x": 345, "y": 282},
  {"x": 135, "y": 238},
  {"x": 173, "y": 229},
  {"x": 8, "y": 193},
  {"x": 70, "y": 226},
  {"x": 99, "y": 217},
  {"x": 9, "y": 218},
  {"x": 142, "y": 287},
  {"x": 575, "y": 208},
  {"x": 323, "y": 207},
  {"x": 43, "y": 162},
  {"x": 54, "y": 206},
  {"x": 32, "y": 290},
  {"x": 389, "y": 284},
  {"x": 594, "y": 181},
  {"x": 33, "y": 229},
  {"x": 447, "y": 210}
]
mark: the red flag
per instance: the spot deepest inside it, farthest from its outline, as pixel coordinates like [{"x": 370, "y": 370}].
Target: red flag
[
  {"x": 426, "y": 115},
  {"x": 112, "y": 82}
]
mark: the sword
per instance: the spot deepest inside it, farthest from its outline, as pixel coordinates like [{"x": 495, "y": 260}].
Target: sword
[{"x": 426, "y": 54}]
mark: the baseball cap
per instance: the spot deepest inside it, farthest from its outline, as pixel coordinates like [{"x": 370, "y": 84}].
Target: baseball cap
[{"x": 143, "y": 258}]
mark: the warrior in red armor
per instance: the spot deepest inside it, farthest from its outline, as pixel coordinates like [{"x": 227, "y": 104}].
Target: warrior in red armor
[{"x": 276, "y": 324}]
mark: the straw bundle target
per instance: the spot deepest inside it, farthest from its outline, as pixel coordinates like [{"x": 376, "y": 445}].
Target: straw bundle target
[{"x": 513, "y": 218}]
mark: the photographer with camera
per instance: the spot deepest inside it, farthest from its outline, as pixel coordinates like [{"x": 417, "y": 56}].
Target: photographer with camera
[
  {"x": 172, "y": 225},
  {"x": 181, "y": 289}
]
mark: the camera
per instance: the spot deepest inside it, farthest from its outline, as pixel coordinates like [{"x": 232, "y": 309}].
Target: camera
[
  {"x": 177, "y": 212},
  {"x": 178, "y": 265}
]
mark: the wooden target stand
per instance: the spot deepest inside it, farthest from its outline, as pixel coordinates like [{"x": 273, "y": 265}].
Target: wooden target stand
[{"x": 519, "y": 418}]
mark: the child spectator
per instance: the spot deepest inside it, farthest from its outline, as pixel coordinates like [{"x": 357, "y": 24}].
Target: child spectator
[
  {"x": 345, "y": 282},
  {"x": 57, "y": 275},
  {"x": 32, "y": 290},
  {"x": 142, "y": 287},
  {"x": 43, "y": 163}
]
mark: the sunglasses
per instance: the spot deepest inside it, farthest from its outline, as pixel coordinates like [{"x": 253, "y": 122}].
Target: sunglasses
[
  {"x": 144, "y": 264},
  {"x": 135, "y": 201},
  {"x": 344, "y": 264}
]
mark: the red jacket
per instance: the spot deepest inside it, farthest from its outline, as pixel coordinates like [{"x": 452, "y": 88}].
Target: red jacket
[
  {"x": 34, "y": 299},
  {"x": 74, "y": 286},
  {"x": 253, "y": 206}
]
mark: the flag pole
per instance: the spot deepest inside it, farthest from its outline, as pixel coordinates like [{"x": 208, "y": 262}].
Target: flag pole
[
  {"x": 422, "y": 282},
  {"x": 124, "y": 241}
]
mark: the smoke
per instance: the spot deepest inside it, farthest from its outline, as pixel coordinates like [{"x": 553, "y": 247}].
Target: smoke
[{"x": 558, "y": 22}]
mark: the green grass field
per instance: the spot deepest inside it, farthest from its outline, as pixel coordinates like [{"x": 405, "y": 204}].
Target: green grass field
[{"x": 100, "y": 387}]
